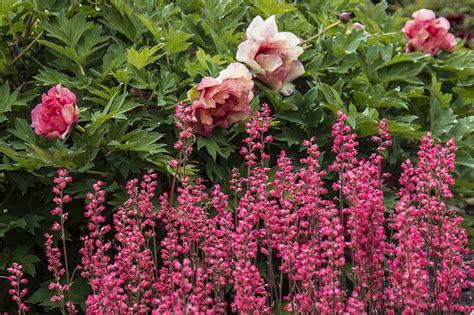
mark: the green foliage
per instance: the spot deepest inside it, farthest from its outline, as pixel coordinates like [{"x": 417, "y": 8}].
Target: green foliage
[{"x": 130, "y": 62}]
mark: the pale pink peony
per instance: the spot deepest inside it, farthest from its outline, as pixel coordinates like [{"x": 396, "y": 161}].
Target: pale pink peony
[
  {"x": 223, "y": 100},
  {"x": 274, "y": 55},
  {"x": 428, "y": 34},
  {"x": 56, "y": 114}
]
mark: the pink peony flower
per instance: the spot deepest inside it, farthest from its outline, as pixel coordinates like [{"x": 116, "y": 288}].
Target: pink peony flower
[
  {"x": 274, "y": 55},
  {"x": 428, "y": 34},
  {"x": 223, "y": 100},
  {"x": 56, "y": 114}
]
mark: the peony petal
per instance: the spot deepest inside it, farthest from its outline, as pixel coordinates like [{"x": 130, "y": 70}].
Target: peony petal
[
  {"x": 443, "y": 23},
  {"x": 269, "y": 62},
  {"x": 246, "y": 53},
  {"x": 69, "y": 114},
  {"x": 449, "y": 42},
  {"x": 288, "y": 38},
  {"x": 424, "y": 14},
  {"x": 296, "y": 71},
  {"x": 238, "y": 116},
  {"x": 287, "y": 88},
  {"x": 53, "y": 135},
  {"x": 65, "y": 133},
  {"x": 207, "y": 82},
  {"x": 36, "y": 117},
  {"x": 272, "y": 82},
  {"x": 260, "y": 30},
  {"x": 234, "y": 71},
  {"x": 205, "y": 117}
]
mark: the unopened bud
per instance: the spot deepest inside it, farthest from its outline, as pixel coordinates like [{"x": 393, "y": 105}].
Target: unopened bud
[
  {"x": 345, "y": 17},
  {"x": 358, "y": 26}
]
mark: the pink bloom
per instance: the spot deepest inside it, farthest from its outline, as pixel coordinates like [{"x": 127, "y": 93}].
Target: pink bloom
[
  {"x": 56, "y": 114},
  {"x": 428, "y": 34},
  {"x": 274, "y": 55},
  {"x": 224, "y": 100}
]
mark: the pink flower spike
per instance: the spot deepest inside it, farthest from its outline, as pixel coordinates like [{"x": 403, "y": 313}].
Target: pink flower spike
[{"x": 16, "y": 279}]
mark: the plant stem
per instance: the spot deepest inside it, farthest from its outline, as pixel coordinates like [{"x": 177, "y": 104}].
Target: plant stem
[
  {"x": 30, "y": 45},
  {"x": 66, "y": 260},
  {"x": 306, "y": 41},
  {"x": 80, "y": 129}
]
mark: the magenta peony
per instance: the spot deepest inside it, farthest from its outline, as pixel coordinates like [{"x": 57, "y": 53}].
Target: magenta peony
[
  {"x": 223, "y": 100},
  {"x": 274, "y": 55},
  {"x": 56, "y": 114},
  {"x": 428, "y": 34}
]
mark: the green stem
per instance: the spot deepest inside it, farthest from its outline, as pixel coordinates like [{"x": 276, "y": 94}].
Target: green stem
[
  {"x": 26, "y": 49},
  {"x": 306, "y": 41},
  {"x": 80, "y": 129},
  {"x": 91, "y": 172}
]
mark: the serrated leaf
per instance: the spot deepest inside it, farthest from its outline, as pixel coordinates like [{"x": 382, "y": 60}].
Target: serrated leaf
[
  {"x": 411, "y": 57},
  {"x": 354, "y": 40},
  {"x": 144, "y": 57},
  {"x": 115, "y": 108},
  {"x": 176, "y": 41},
  {"x": 7, "y": 99},
  {"x": 5, "y": 227},
  {"x": 140, "y": 141},
  {"x": 273, "y": 7},
  {"x": 69, "y": 31},
  {"x": 215, "y": 145},
  {"x": 23, "y": 131},
  {"x": 32, "y": 222}
]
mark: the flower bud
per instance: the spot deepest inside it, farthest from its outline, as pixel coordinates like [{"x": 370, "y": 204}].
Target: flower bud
[
  {"x": 358, "y": 26},
  {"x": 345, "y": 17}
]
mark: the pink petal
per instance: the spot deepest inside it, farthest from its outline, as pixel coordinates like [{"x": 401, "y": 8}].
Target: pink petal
[
  {"x": 288, "y": 38},
  {"x": 246, "y": 53},
  {"x": 234, "y": 71},
  {"x": 296, "y": 71},
  {"x": 207, "y": 82},
  {"x": 259, "y": 30},
  {"x": 443, "y": 23},
  {"x": 53, "y": 135},
  {"x": 269, "y": 62},
  {"x": 205, "y": 117},
  {"x": 287, "y": 88},
  {"x": 424, "y": 14},
  {"x": 69, "y": 114},
  {"x": 36, "y": 117}
]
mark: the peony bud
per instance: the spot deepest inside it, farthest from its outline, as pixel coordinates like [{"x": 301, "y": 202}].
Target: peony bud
[{"x": 345, "y": 17}]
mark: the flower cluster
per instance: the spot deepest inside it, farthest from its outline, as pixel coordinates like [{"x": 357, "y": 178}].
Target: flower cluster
[
  {"x": 61, "y": 283},
  {"x": 16, "y": 279},
  {"x": 427, "y": 271},
  {"x": 304, "y": 234},
  {"x": 283, "y": 243},
  {"x": 225, "y": 100}
]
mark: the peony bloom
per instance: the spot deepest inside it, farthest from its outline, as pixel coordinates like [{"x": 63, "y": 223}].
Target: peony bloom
[
  {"x": 56, "y": 114},
  {"x": 274, "y": 55},
  {"x": 428, "y": 34},
  {"x": 223, "y": 100}
]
